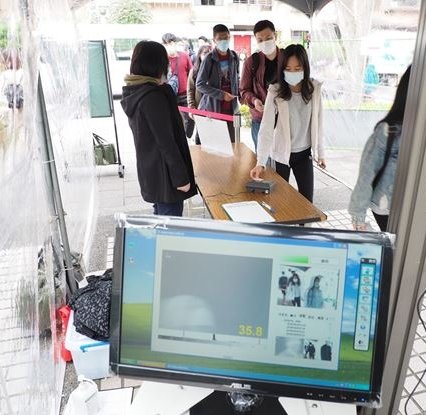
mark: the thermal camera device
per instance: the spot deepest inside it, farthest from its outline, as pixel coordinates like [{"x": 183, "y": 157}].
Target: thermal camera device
[{"x": 264, "y": 186}]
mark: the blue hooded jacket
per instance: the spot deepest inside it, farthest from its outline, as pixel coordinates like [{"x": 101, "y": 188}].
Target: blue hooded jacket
[{"x": 373, "y": 155}]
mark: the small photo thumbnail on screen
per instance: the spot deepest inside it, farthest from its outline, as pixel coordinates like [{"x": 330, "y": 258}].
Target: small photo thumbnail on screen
[
  {"x": 306, "y": 287},
  {"x": 297, "y": 348}
]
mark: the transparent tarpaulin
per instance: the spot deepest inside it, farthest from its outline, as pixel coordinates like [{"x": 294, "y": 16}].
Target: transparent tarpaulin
[
  {"x": 32, "y": 277},
  {"x": 63, "y": 69},
  {"x": 359, "y": 50}
]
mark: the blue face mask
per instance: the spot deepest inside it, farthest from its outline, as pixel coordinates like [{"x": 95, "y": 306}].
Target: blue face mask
[
  {"x": 223, "y": 45},
  {"x": 293, "y": 78}
]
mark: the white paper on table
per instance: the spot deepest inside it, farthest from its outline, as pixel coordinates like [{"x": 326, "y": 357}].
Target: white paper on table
[
  {"x": 247, "y": 212},
  {"x": 214, "y": 135},
  {"x": 166, "y": 399}
]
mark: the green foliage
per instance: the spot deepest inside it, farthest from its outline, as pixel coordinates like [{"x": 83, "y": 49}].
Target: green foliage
[
  {"x": 245, "y": 116},
  {"x": 3, "y": 36},
  {"x": 122, "y": 45},
  {"x": 362, "y": 106},
  {"x": 129, "y": 12},
  {"x": 6, "y": 41}
]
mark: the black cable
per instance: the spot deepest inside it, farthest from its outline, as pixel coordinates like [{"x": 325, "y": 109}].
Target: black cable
[
  {"x": 225, "y": 194},
  {"x": 419, "y": 313}
]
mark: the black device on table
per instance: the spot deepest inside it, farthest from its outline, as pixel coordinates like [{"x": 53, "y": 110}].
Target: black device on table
[
  {"x": 262, "y": 186},
  {"x": 199, "y": 302}
]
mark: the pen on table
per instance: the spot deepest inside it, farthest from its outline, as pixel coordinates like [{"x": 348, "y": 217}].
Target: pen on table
[{"x": 266, "y": 206}]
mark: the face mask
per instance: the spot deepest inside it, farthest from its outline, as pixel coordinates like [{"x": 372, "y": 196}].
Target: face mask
[
  {"x": 293, "y": 78},
  {"x": 171, "y": 49},
  {"x": 267, "y": 47},
  {"x": 223, "y": 45}
]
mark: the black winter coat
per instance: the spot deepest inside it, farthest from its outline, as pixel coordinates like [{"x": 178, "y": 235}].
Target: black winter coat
[{"x": 162, "y": 152}]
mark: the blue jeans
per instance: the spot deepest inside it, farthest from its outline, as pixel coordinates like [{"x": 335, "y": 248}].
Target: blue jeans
[
  {"x": 255, "y": 125},
  {"x": 168, "y": 209}
]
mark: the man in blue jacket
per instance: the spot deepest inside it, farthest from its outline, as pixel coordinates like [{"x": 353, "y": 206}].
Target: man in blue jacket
[{"x": 217, "y": 79}]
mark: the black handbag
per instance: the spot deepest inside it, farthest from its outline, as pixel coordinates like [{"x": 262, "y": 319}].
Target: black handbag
[{"x": 104, "y": 152}]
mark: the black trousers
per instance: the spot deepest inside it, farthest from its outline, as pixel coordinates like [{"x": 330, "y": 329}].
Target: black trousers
[
  {"x": 188, "y": 122},
  {"x": 303, "y": 170},
  {"x": 169, "y": 209},
  {"x": 382, "y": 221}
]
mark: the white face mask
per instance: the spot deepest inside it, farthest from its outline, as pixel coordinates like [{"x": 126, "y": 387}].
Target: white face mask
[
  {"x": 171, "y": 49},
  {"x": 267, "y": 47},
  {"x": 222, "y": 45},
  {"x": 293, "y": 78}
]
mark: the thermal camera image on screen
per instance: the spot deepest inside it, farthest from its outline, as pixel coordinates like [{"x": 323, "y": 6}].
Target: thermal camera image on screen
[
  {"x": 193, "y": 303},
  {"x": 250, "y": 306}
]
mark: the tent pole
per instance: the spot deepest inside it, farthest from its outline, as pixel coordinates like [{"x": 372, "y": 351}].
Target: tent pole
[{"x": 55, "y": 193}]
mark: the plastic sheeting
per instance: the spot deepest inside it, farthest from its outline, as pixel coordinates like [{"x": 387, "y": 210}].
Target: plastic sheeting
[
  {"x": 37, "y": 38},
  {"x": 359, "y": 63}
]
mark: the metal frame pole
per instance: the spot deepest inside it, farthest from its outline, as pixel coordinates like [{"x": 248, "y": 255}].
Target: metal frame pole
[
  {"x": 111, "y": 103},
  {"x": 237, "y": 127},
  {"x": 407, "y": 221},
  {"x": 55, "y": 189}
]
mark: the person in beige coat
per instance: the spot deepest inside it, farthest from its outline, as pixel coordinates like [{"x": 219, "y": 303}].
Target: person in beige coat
[{"x": 291, "y": 128}]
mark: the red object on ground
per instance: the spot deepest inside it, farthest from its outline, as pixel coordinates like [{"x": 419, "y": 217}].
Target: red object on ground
[{"x": 64, "y": 313}]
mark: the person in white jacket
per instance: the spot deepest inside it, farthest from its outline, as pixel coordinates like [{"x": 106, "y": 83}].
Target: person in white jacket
[{"x": 291, "y": 128}]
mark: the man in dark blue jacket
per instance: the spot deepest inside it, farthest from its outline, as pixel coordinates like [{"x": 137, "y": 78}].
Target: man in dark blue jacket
[{"x": 217, "y": 78}]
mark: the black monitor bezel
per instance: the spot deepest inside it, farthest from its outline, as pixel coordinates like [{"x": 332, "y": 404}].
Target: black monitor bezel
[{"x": 367, "y": 398}]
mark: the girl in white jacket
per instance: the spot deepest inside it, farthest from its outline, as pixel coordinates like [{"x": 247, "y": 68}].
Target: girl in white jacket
[{"x": 291, "y": 128}]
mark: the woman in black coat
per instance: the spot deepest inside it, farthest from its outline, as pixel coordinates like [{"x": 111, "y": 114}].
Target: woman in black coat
[{"x": 165, "y": 173}]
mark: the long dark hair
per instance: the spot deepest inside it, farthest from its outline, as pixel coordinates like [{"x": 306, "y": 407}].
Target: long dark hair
[
  {"x": 317, "y": 278},
  {"x": 197, "y": 63},
  {"x": 395, "y": 115},
  {"x": 307, "y": 87},
  {"x": 150, "y": 59},
  {"x": 294, "y": 277}
]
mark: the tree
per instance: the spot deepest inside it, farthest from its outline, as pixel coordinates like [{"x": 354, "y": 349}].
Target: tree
[{"x": 129, "y": 12}]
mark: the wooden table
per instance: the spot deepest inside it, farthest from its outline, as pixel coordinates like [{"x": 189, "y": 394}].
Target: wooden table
[{"x": 223, "y": 179}]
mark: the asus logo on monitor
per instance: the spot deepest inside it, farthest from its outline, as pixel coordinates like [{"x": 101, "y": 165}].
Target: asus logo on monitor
[{"x": 240, "y": 386}]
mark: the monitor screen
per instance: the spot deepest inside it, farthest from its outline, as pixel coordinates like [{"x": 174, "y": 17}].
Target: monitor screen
[{"x": 271, "y": 309}]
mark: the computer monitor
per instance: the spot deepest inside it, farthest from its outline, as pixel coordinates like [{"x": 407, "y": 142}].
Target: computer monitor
[{"x": 270, "y": 310}]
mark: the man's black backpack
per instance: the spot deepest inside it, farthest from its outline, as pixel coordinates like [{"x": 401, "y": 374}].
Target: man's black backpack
[
  {"x": 254, "y": 64},
  {"x": 173, "y": 79}
]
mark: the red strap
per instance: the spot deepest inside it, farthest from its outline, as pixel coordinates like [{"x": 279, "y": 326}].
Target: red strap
[{"x": 214, "y": 115}]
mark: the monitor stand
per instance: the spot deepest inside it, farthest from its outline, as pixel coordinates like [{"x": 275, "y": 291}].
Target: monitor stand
[
  {"x": 236, "y": 403},
  {"x": 155, "y": 398}
]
